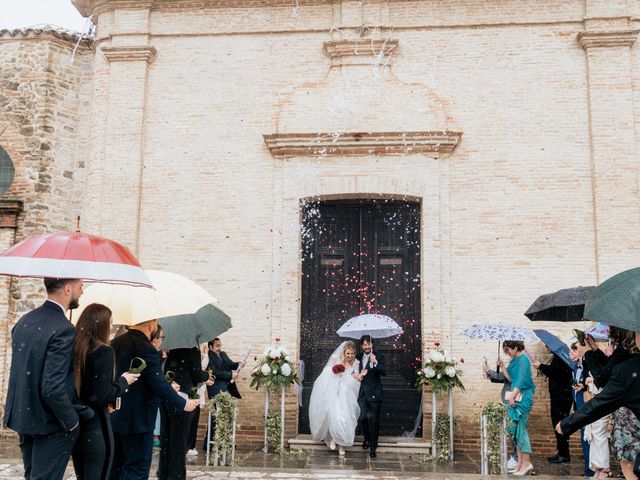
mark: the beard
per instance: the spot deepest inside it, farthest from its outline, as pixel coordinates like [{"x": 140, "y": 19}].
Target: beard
[{"x": 74, "y": 303}]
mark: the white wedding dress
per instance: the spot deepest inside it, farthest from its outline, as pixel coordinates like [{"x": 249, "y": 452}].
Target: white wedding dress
[{"x": 333, "y": 409}]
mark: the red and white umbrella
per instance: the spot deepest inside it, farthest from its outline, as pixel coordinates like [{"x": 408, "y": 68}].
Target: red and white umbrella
[{"x": 73, "y": 255}]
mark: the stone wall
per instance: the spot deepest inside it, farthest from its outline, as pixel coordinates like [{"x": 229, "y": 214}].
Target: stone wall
[{"x": 43, "y": 120}]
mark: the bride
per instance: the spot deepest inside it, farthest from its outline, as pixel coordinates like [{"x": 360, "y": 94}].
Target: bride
[{"x": 334, "y": 410}]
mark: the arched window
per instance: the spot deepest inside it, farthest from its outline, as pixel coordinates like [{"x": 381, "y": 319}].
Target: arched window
[{"x": 7, "y": 171}]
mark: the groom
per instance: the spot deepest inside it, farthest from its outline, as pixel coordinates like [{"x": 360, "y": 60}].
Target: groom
[{"x": 370, "y": 395}]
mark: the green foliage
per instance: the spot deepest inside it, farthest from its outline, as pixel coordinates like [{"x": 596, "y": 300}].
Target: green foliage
[
  {"x": 495, "y": 413},
  {"x": 224, "y": 408},
  {"x": 441, "y": 441}
]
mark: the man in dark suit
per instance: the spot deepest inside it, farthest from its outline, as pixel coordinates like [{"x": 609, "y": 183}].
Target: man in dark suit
[
  {"x": 41, "y": 396},
  {"x": 560, "y": 377},
  {"x": 225, "y": 374},
  {"x": 134, "y": 422},
  {"x": 622, "y": 390},
  {"x": 370, "y": 395}
]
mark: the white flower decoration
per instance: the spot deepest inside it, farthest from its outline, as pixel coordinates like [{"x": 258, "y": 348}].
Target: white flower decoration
[
  {"x": 436, "y": 356},
  {"x": 429, "y": 372},
  {"x": 265, "y": 369},
  {"x": 274, "y": 353},
  {"x": 450, "y": 371},
  {"x": 286, "y": 369}
]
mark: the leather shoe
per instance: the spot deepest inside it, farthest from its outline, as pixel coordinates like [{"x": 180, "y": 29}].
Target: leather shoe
[
  {"x": 365, "y": 445},
  {"x": 372, "y": 454},
  {"x": 558, "y": 459}
]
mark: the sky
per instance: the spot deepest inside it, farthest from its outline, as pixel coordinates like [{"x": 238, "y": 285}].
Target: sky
[{"x": 29, "y": 13}]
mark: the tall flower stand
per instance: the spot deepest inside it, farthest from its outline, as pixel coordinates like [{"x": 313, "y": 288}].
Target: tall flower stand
[
  {"x": 265, "y": 447},
  {"x": 267, "y": 399},
  {"x": 434, "y": 417},
  {"x": 487, "y": 450},
  {"x": 229, "y": 444}
]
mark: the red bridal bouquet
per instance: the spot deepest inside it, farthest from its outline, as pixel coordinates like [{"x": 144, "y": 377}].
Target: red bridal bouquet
[{"x": 339, "y": 368}]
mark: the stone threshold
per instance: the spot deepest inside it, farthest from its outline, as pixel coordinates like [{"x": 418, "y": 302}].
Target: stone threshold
[{"x": 385, "y": 444}]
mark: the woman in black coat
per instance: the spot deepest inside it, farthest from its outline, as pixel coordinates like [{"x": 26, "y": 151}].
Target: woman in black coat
[{"x": 94, "y": 371}]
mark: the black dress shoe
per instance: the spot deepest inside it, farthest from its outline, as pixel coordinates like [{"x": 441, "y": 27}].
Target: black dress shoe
[
  {"x": 365, "y": 445},
  {"x": 372, "y": 454},
  {"x": 558, "y": 459}
]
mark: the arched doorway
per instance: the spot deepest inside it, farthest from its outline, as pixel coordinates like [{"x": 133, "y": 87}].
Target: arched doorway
[{"x": 363, "y": 256}]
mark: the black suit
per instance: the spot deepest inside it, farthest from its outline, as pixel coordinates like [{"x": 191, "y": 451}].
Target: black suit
[
  {"x": 41, "y": 395},
  {"x": 370, "y": 399},
  {"x": 222, "y": 368},
  {"x": 133, "y": 424},
  {"x": 622, "y": 390},
  {"x": 93, "y": 453},
  {"x": 560, "y": 378},
  {"x": 175, "y": 423}
]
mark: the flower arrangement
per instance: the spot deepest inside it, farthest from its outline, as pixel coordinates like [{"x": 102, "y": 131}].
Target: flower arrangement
[
  {"x": 440, "y": 371},
  {"x": 274, "y": 369},
  {"x": 496, "y": 413},
  {"x": 338, "y": 368}
]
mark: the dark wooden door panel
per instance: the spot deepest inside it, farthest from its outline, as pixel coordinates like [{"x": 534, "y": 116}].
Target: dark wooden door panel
[{"x": 363, "y": 257}]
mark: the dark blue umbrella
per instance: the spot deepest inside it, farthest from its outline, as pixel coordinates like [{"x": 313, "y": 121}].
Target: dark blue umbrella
[{"x": 557, "y": 346}]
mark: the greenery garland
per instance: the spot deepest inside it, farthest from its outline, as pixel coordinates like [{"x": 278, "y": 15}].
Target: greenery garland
[
  {"x": 224, "y": 408},
  {"x": 441, "y": 440},
  {"x": 495, "y": 413},
  {"x": 273, "y": 427}
]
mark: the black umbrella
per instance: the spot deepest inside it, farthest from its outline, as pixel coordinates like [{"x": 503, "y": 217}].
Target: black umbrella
[{"x": 565, "y": 305}]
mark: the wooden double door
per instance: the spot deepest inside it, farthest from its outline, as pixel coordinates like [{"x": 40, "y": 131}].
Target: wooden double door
[{"x": 363, "y": 257}]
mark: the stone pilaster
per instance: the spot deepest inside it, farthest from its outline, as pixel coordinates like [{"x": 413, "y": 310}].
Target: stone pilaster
[
  {"x": 126, "y": 55},
  {"x": 607, "y": 45}
]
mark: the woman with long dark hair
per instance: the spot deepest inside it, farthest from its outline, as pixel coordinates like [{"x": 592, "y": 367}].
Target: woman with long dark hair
[{"x": 94, "y": 372}]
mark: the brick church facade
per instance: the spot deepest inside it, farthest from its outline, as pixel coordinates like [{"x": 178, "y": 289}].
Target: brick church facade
[{"x": 251, "y": 145}]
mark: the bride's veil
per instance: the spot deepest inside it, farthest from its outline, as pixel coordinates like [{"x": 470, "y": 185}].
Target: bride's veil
[{"x": 324, "y": 389}]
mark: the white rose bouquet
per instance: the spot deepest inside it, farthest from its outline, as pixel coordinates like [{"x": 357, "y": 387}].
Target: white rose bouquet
[
  {"x": 440, "y": 372},
  {"x": 274, "y": 369}
]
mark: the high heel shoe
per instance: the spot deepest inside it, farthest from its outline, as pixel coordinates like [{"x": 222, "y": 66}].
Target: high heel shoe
[
  {"x": 332, "y": 445},
  {"x": 526, "y": 471},
  {"x": 341, "y": 451}
]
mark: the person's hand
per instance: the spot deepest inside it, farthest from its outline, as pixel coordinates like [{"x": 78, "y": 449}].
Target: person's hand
[
  {"x": 175, "y": 386},
  {"x": 588, "y": 381},
  {"x": 131, "y": 377},
  {"x": 578, "y": 387},
  {"x": 485, "y": 367},
  {"x": 363, "y": 372},
  {"x": 191, "y": 405},
  {"x": 536, "y": 364},
  {"x": 234, "y": 375},
  {"x": 372, "y": 358},
  {"x": 500, "y": 363},
  {"x": 210, "y": 382},
  {"x": 608, "y": 351},
  {"x": 512, "y": 401},
  {"x": 242, "y": 363},
  {"x": 356, "y": 377},
  {"x": 558, "y": 429}
]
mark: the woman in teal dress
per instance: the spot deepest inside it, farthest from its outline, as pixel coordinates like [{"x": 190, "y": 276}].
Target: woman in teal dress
[{"x": 520, "y": 402}]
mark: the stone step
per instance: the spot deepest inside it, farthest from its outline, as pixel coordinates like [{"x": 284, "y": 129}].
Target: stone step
[{"x": 385, "y": 444}]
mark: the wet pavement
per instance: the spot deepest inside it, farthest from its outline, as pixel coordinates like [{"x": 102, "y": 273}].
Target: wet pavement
[{"x": 318, "y": 464}]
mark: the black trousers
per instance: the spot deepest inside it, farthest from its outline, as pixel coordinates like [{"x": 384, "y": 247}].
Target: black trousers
[
  {"x": 46, "y": 457},
  {"x": 193, "y": 429},
  {"x": 93, "y": 453},
  {"x": 370, "y": 420},
  {"x": 560, "y": 408},
  {"x": 132, "y": 456},
  {"x": 174, "y": 433}
]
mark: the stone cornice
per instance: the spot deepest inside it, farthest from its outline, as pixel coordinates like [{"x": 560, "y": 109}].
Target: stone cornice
[
  {"x": 434, "y": 144},
  {"x": 9, "y": 211},
  {"x": 127, "y": 53},
  {"x": 361, "y": 47},
  {"x": 617, "y": 38}
]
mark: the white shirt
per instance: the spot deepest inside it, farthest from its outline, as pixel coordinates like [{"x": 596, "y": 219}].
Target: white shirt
[{"x": 64, "y": 310}]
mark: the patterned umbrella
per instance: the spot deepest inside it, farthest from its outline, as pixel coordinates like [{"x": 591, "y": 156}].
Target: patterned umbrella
[
  {"x": 599, "y": 331},
  {"x": 376, "y": 325},
  {"x": 73, "y": 255},
  {"x": 617, "y": 301},
  {"x": 497, "y": 331}
]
